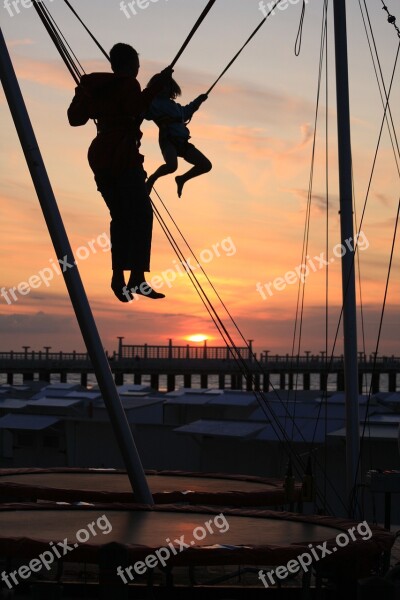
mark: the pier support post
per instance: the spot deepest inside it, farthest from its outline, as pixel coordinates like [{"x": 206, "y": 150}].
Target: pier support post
[
  {"x": 340, "y": 381},
  {"x": 392, "y": 381},
  {"x": 291, "y": 374},
  {"x": 44, "y": 376},
  {"x": 84, "y": 377},
  {"x": 204, "y": 380},
  {"x": 375, "y": 382},
  {"x": 282, "y": 381},
  {"x": 28, "y": 376},
  {"x": 155, "y": 381},
  {"x": 137, "y": 378},
  {"x": 239, "y": 380},
  {"x": 63, "y": 377},
  {"x": 306, "y": 381},
  {"x": 257, "y": 382},
  {"x": 170, "y": 382},
  {"x": 266, "y": 382},
  {"x": 221, "y": 381},
  {"x": 249, "y": 382},
  {"x": 323, "y": 381},
  {"x": 119, "y": 378},
  {"x": 10, "y": 378},
  {"x": 236, "y": 381},
  {"x": 187, "y": 380},
  {"x": 360, "y": 382}
]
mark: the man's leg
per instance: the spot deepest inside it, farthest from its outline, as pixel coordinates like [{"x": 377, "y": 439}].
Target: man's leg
[
  {"x": 139, "y": 215},
  {"x": 119, "y": 230}
]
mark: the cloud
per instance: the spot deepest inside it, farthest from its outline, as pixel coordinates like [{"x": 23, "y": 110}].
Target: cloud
[
  {"x": 50, "y": 73},
  {"x": 23, "y": 42},
  {"x": 383, "y": 199},
  {"x": 39, "y": 323},
  {"x": 318, "y": 200}
]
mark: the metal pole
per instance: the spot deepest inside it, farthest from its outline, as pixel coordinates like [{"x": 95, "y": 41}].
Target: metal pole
[
  {"x": 346, "y": 226},
  {"x": 72, "y": 278}
]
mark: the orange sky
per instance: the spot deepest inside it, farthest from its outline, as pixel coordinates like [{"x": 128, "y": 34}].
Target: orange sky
[{"x": 257, "y": 129}]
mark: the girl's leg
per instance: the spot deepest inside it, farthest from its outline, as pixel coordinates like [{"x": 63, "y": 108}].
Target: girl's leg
[
  {"x": 200, "y": 163},
  {"x": 170, "y": 155}
]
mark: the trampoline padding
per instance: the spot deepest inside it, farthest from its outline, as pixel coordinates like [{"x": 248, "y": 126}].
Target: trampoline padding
[
  {"x": 254, "y": 537},
  {"x": 167, "y": 487}
]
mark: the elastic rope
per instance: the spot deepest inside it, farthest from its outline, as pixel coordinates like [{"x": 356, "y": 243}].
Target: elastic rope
[
  {"x": 365, "y": 202},
  {"x": 381, "y": 83},
  {"x": 72, "y": 68},
  {"x": 391, "y": 18},
  {"x": 193, "y": 31},
  {"x": 62, "y": 37},
  {"x": 243, "y": 47},
  {"x": 297, "y": 44},
  {"x": 379, "y": 334},
  {"x": 301, "y": 287},
  {"x": 100, "y": 47},
  {"x": 263, "y": 403}
]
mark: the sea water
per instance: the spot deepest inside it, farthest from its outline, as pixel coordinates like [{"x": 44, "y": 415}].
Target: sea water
[{"x": 212, "y": 381}]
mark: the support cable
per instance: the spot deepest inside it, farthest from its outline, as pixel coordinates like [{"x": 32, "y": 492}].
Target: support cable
[
  {"x": 301, "y": 287},
  {"x": 242, "y": 48},
  {"x": 362, "y": 439},
  {"x": 366, "y": 201},
  {"x": 381, "y": 83},
  {"x": 264, "y": 404}
]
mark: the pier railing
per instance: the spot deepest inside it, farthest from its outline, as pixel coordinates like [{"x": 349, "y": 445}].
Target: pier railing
[
  {"x": 223, "y": 353},
  {"x": 186, "y": 360},
  {"x": 185, "y": 352}
]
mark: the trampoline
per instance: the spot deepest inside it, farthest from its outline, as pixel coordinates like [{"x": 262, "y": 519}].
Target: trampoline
[
  {"x": 167, "y": 487},
  {"x": 233, "y": 537}
]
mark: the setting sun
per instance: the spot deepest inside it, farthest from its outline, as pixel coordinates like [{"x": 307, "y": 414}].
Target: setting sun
[{"x": 198, "y": 337}]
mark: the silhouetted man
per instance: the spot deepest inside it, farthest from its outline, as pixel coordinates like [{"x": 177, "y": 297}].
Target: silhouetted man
[{"x": 115, "y": 101}]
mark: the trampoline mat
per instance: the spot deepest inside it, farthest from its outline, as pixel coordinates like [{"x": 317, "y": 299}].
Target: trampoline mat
[
  {"x": 232, "y": 537},
  {"x": 102, "y": 485}
]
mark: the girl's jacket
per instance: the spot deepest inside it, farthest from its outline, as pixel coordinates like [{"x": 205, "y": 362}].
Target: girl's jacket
[{"x": 172, "y": 117}]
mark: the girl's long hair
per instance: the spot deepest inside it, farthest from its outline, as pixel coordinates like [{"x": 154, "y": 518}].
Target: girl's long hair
[{"x": 174, "y": 89}]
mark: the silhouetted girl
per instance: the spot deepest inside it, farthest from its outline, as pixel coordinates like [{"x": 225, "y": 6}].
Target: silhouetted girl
[{"x": 174, "y": 135}]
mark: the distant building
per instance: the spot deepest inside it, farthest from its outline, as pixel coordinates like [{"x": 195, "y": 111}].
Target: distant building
[{"x": 205, "y": 430}]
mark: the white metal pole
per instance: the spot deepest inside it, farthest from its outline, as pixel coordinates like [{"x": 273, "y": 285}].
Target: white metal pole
[
  {"x": 72, "y": 278},
  {"x": 348, "y": 262}
]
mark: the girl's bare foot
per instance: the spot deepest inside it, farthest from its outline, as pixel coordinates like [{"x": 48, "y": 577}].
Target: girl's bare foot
[{"x": 180, "y": 182}]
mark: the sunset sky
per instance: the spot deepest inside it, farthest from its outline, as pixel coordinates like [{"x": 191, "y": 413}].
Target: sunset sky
[{"x": 246, "y": 217}]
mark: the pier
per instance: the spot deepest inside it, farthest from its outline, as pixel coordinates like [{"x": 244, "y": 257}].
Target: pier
[{"x": 243, "y": 369}]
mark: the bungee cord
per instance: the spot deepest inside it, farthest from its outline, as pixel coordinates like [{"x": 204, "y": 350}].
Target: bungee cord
[
  {"x": 381, "y": 82},
  {"x": 100, "y": 47},
  {"x": 193, "y": 31},
  {"x": 243, "y": 47},
  {"x": 61, "y": 47},
  {"x": 274, "y": 420}
]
